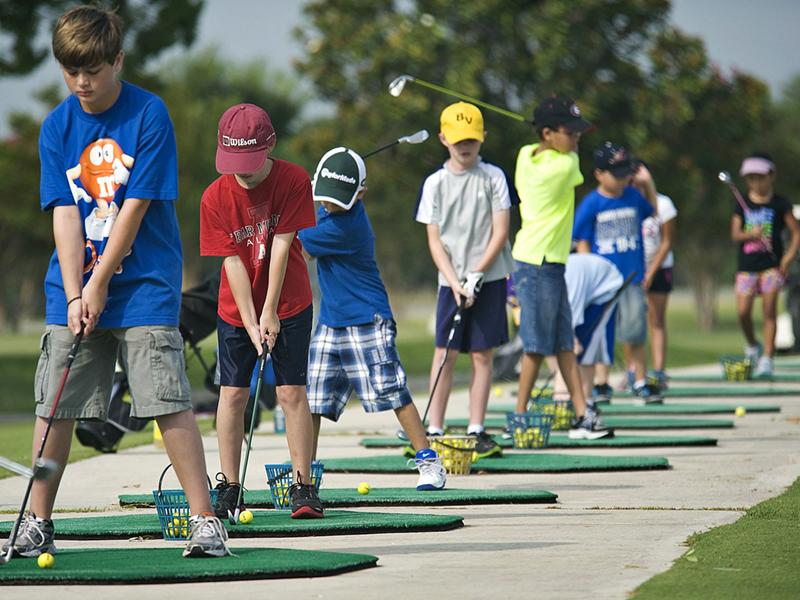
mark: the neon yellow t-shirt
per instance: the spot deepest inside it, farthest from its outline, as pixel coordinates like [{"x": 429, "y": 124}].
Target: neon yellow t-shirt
[{"x": 546, "y": 186}]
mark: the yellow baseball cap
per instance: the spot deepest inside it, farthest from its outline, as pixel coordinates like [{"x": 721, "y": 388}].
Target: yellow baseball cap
[{"x": 461, "y": 121}]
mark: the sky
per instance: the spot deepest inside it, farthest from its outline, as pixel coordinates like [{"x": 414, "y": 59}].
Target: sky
[{"x": 757, "y": 37}]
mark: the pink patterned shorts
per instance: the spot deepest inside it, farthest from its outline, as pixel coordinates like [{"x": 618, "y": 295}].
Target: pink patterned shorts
[{"x": 762, "y": 282}]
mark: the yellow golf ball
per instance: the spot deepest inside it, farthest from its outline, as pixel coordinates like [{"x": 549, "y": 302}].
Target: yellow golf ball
[
  {"x": 46, "y": 560},
  {"x": 245, "y": 517},
  {"x": 363, "y": 488},
  {"x": 740, "y": 411},
  {"x": 498, "y": 391}
]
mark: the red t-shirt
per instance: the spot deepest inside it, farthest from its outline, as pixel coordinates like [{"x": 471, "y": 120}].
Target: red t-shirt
[{"x": 237, "y": 221}]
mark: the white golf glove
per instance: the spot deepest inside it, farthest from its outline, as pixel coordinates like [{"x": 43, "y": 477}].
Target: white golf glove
[{"x": 473, "y": 283}]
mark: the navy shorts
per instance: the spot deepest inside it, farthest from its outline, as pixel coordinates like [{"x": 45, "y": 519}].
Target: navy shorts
[
  {"x": 237, "y": 356},
  {"x": 483, "y": 325}
]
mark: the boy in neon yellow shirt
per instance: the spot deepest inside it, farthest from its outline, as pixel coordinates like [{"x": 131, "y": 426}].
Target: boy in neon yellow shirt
[{"x": 546, "y": 176}]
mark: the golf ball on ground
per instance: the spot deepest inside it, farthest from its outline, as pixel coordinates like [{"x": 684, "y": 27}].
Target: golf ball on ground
[
  {"x": 45, "y": 560},
  {"x": 363, "y": 488},
  {"x": 740, "y": 411},
  {"x": 245, "y": 517}
]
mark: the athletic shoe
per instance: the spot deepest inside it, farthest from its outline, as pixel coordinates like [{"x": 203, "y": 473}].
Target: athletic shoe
[
  {"x": 35, "y": 536},
  {"x": 227, "y": 495},
  {"x": 602, "y": 394},
  {"x": 431, "y": 471},
  {"x": 763, "y": 368},
  {"x": 753, "y": 352},
  {"x": 648, "y": 393},
  {"x": 207, "y": 538},
  {"x": 485, "y": 446},
  {"x": 658, "y": 379},
  {"x": 305, "y": 501},
  {"x": 589, "y": 427}
]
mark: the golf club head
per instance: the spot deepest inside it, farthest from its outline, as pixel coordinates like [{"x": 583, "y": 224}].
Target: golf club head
[
  {"x": 415, "y": 138},
  {"x": 402, "y": 435},
  {"x": 397, "y": 85},
  {"x": 233, "y": 517},
  {"x": 44, "y": 468},
  {"x": 725, "y": 177}
]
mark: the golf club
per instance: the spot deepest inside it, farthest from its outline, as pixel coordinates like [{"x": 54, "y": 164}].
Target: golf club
[
  {"x": 726, "y": 178},
  {"x": 456, "y": 321},
  {"x": 233, "y": 517},
  {"x": 44, "y": 468},
  {"x": 414, "y": 138},
  {"x": 399, "y": 83},
  {"x": 73, "y": 351}
]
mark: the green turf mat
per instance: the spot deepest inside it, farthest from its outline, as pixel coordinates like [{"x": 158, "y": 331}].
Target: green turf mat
[
  {"x": 390, "y": 497},
  {"x": 510, "y": 463},
  {"x": 267, "y": 523},
  {"x": 779, "y": 377},
  {"x": 660, "y": 409},
  {"x": 96, "y": 566},
  {"x": 620, "y": 423},
  {"x": 562, "y": 441},
  {"x": 733, "y": 390}
]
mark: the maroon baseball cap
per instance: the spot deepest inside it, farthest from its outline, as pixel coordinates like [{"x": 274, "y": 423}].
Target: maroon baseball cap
[{"x": 245, "y": 132}]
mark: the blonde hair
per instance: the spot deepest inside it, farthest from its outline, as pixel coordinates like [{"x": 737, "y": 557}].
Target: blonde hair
[{"x": 87, "y": 36}]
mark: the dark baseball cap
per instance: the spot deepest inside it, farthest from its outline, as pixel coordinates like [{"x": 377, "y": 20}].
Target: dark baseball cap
[
  {"x": 556, "y": 111},
  {"x": 615, "y": 159},
  {"x": 245, "y": 133}
]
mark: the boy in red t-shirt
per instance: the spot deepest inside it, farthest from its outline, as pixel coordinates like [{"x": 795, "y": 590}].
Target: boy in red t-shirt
[{"x": 250, "y": 216}]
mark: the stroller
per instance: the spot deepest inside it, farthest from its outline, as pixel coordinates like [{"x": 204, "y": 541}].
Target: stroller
[{"x": 198, "y": 320}]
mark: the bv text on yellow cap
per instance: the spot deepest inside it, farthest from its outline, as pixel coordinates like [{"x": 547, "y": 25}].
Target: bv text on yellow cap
[{"x": 461, "y": 121}]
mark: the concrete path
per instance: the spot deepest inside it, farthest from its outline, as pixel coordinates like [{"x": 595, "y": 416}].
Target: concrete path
[{"x": 609, "y": 532}]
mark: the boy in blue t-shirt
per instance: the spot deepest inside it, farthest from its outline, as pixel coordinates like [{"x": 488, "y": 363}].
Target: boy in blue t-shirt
[
  {"x": 109, "y": 176},
  {"x": 353, "y": 348},
  {"x": 608, "y": 222}
]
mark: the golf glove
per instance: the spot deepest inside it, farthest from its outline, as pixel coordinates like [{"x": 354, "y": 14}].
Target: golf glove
[{"x": 473, "y": 283}]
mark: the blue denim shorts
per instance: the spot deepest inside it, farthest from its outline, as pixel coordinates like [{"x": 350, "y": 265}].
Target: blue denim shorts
[
  {"x": 546, "y": 319},
  {"x": 632, "y": 316}
]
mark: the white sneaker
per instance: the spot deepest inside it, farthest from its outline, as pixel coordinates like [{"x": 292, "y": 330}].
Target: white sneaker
[
  {"x": 208, "y": 537},
  {"x": 753, "y": 352},
  {"x": 432, "y": 475},
  {"x": 763, "y": 367}
]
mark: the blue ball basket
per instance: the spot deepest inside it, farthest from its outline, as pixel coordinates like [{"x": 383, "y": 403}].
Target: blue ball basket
[
  {"x": 172, "y": 508},
  {"x": 279, "y": 480},
  {"x": 530, "y": 429}
]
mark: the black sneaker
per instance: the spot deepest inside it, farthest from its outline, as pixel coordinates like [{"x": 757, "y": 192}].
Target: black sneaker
[
  {"x": 486, "y": 447},
  {"x": 305, "y": 501},
  {"x": 227, "y": 495},
  {"x": 589, "y": 427},
  {"x": 601, "y": 394},
  {"x": 648, "y": 394}
]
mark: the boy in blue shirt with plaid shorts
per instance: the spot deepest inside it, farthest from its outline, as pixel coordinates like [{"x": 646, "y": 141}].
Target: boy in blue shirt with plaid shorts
[{"x": 353, "y": 348}]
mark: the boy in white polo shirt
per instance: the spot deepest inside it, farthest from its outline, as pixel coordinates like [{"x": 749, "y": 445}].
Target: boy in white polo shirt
[{"x": 465, "y": 206}]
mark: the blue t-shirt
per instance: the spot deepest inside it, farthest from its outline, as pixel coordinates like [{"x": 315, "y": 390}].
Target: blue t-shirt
[
  {"x": 344, "y": 245},
  {"x": 95, "y": 161},
  {"x": 613, "y": 227}
]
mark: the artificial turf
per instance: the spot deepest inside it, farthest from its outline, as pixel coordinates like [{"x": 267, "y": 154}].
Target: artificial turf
[
  {"x": 779, "y": 377},
  {"x": 510, "y": 463},
  {"x": 660, "y": 409},
  {"x": 728, "y": 391},
  {"x": 620, "y": 423},
  {"x": 562, "y": 441},
  {"x": 166, "y": 565},
  {"x": 340, "y": 497},
  {"x": 266, "y": 523},
  {"x": 755, "y": 557}
]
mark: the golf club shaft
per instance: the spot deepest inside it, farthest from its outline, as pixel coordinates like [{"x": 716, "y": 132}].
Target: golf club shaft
[
  {"x": 73, "y": 351},
  {"x": 740, "y": 199},
  {"x": 478, "y": 102},
  {"x": 451, "y": 335},
  {"x": 256, "y": 400},
  {"x": 382, "y": 148}
]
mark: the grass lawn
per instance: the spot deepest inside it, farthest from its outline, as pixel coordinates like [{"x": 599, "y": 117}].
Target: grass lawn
[
  {"x": 756, "y": 557},
  {"x": 15, "y": 442}
]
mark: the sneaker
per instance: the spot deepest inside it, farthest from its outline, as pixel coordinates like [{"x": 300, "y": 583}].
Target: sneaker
[
  {"x": 35, "y": 536},
  {"x": 753, "y": 352},
  {"x": 589, "y": 427},
  {"x": 763, "y": 368},
  {"x": 486, "y": 447},
  {"x": 207, "y": 538},
  {"x": 227, "y": 495},
  {"x": 602, "y": 394},
  {"x": 431, "y": 471},
  {"x": 648, "y": 393},
  {"x": 305, "y": 501},
  {"x": 658, "y": 379}
]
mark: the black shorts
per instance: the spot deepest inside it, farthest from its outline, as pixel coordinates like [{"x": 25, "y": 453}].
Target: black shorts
[
  {"x": 662, "y": 281},
  {"x": 237, "y": 356}
]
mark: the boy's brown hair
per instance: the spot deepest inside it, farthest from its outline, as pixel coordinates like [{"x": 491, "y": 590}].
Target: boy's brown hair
[{"x": 87, "y": 36}]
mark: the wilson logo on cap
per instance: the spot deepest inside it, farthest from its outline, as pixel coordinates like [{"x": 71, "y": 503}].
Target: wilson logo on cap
[{"x": 238, "y": 142}]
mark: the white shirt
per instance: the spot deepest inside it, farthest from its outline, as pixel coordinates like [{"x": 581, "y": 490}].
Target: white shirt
[
  {"x": 651, "y": 231},
  {"x": 591, "y": 279}
]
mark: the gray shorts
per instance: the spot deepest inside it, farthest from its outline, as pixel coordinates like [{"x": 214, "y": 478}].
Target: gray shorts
[
  {"x": 632, "y": 316},
  {"x": 152, "y": 357}
]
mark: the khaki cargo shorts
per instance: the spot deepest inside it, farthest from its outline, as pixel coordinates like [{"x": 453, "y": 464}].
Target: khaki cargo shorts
[{"x": 152, "y": 357}]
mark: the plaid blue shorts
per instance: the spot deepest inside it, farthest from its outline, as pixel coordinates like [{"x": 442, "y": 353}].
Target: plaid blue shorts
[{"x": 360, "y": 358}]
